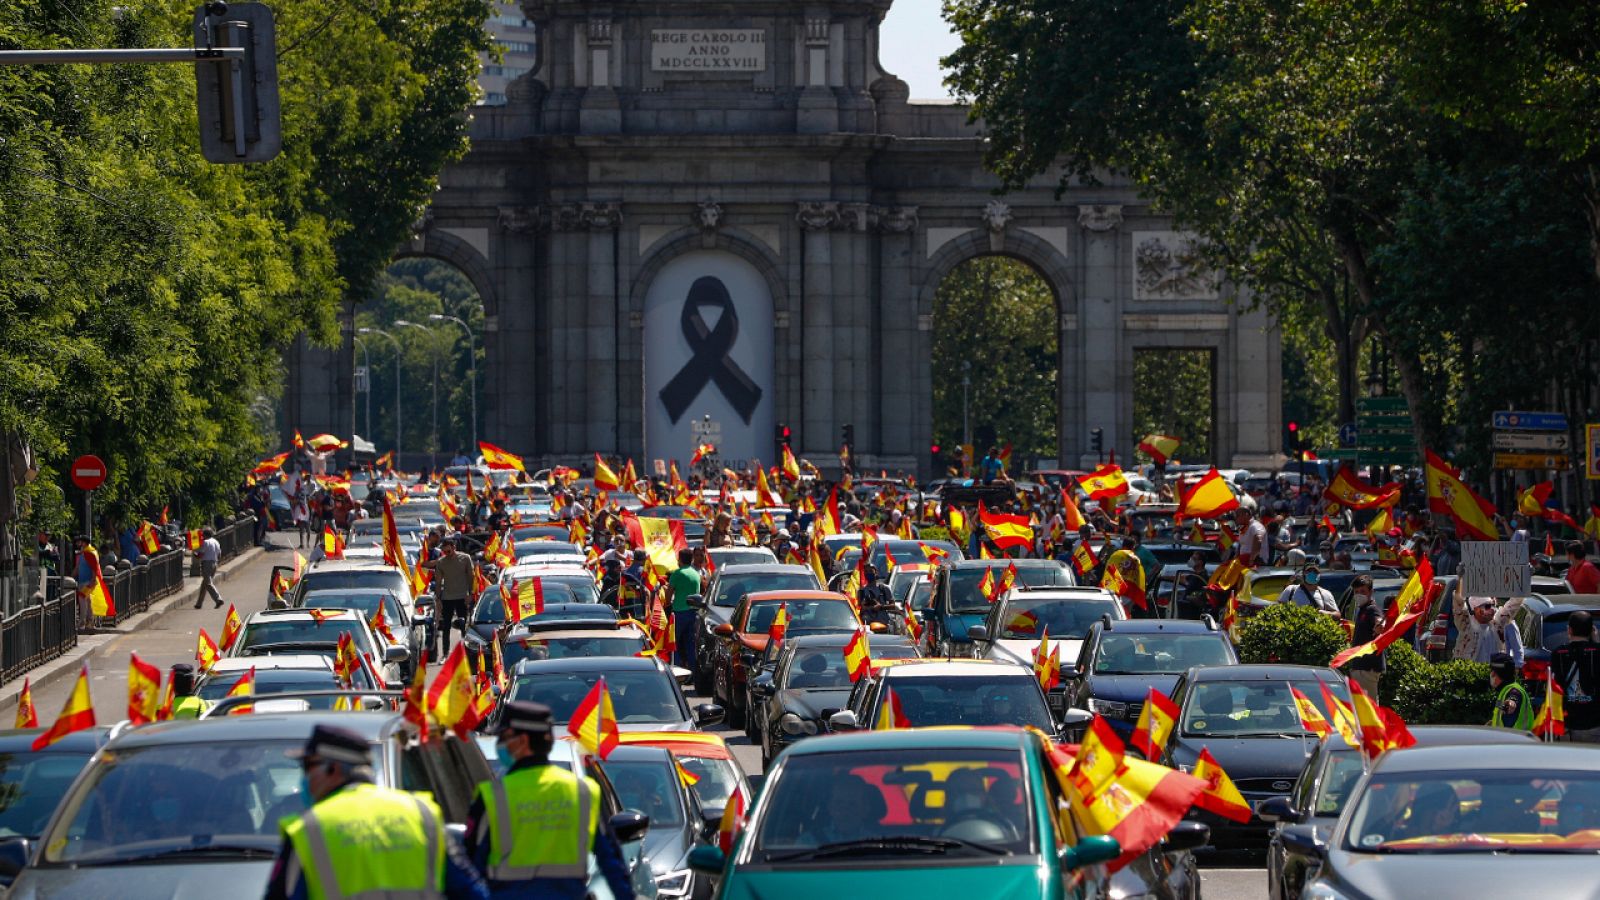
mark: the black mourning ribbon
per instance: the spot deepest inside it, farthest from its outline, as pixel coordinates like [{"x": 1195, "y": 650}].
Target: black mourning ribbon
[{"x": 711, "y": 361}]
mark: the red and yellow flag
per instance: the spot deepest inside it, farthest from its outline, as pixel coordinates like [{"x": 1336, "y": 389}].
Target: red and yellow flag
[
  {"x": 206, "y": 652},
  {"x": 324, "y": 443},
  {"x": 1046, "y": 662},
  {"x": 1083, "y": 558},
  {"x": 1535, "y": 502},
  {"x": 1160, "y": 447},
  {"x": 732, "y": 821},
  {"x": 384, "y": 462},
  {"x": 149, "y": 541},
  {"x": 891, "y": 712},
  {"x": 196, "y": 537},
  {"x": 1100, "y": 759},
  {"x": 701, "y": 451},
  {"x": 1449, "y": 495},
  {"x": 1207, "y": 498},
  {"x": 604, "y": 478},
  {"x": 789, "y": 466},
  {"x": 27, "y": 715},
  {"x": 857, "y": 655},
  {"x": 1551, "y": 721},
  {"x": 1156, "y": 721},
  {"x": 451, "y": 694},
  {"x": 1342, "y": 717},
  {"x": 1409, "y": 605},
  {"x": 232, "y": 627},
  {"x": 1004, "y": 530},
  {"x": 495, "y": 458},
  {"x": 1124, "y": 576},
  {"x": 98, "y": 595},
  {"x": 780, "y": 624},
  {"x": 332, "y": 543},
  {"x": 76, "y": 714},
  {"x": 1381, "y": 728},
  {"x": 244, "y": 687},
  {"x": 764, "y": 493},
  {"x": 168, "y": 697},
  {"x": 1105, "y": 483},
  {"x": 522, "y": 599},
  {"x": 380, "y": 625},
  {"x": 1311, "y": 718},
  {"x": 1220, "y": 796},
  {"x": 594, "y": 722},
  {"x": 144, "y": 690},
  {"x": 1349, "y": 490},
  {"x": 346, "y": 660},
  {"x": 1137, "y": 807},
  {"x": 415, "y": 710},
  {"x": 1071, "y": 517}
]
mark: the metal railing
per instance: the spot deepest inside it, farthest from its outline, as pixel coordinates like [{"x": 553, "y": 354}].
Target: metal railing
[{"x": 40, "y": 632}]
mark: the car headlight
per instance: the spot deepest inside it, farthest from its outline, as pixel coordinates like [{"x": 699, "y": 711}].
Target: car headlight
[
  {"x": 1321, "y": 890},
  {"x": 1111, "y": 709},
  {"x": 675, "y": 884},
  {"x": 793, "y": 724}
]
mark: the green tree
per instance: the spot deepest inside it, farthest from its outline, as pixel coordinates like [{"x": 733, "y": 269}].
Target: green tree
[
  {"x": 1174, "y": 392},
  {"x": 998, "y": 315}
]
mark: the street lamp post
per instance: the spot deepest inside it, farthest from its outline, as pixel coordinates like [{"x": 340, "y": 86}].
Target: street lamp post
[
  {"x": 433, "y": 352},
  {"x": 398, "y": 431},
  {"x": 366, "y": 363},
  {"x": 472, "y": 369}
]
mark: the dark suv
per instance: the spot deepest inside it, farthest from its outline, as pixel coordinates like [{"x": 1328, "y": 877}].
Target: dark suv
[{"x": 1122, "y": 660}]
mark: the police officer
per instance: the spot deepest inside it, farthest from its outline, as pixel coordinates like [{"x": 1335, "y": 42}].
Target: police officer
[
  {"x": 1512, "y": 708},
  {"x": 186, "y": 704},
  {"x": 531, "y": 832},
  {"x": 362, "y": 840}
]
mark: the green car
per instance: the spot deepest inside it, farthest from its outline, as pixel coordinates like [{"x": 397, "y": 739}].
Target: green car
[{"x": 916, "y": 813}]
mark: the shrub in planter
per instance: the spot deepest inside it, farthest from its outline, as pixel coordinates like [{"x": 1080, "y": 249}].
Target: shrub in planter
[
  {"x": 1400, "y": 663},
  {"x": 1291, "y": 635},
  {"x": 1452, "y": 693}
]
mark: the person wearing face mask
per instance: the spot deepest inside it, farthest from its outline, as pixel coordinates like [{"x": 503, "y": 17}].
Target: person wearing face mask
[
  {"x": 358, "y": 839},
  {"x": 532, "y": 830},
  {"x": 1368, "y": 669},
  {"x": 1306, "y": 592}
]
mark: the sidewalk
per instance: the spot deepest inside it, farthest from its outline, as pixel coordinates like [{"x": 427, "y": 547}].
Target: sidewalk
[{"x": 48, "y": 679}]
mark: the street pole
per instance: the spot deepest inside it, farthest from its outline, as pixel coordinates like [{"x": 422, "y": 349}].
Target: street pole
[
  {"x": 398, "y": 431},
  {"x": 966, "y": 385},
  {"x": 433, "y": 352},
  {"x": 366, "y": 363},
  {"x": 472, "y": 369}
]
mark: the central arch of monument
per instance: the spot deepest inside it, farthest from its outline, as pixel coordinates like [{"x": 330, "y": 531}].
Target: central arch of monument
[{"x": 700, "y": 217}]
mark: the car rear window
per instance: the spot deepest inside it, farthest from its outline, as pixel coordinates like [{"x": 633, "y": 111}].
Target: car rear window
[{"x": 733, "y": 588}]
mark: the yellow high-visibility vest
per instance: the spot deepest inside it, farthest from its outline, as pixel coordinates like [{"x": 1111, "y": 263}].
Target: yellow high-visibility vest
[
  {"x": 366, "y": 839},
  {"x": 542, "y": 822}
]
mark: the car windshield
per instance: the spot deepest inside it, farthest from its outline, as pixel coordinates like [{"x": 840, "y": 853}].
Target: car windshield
[
  {"x": 491, "y": 609},
  {"x": 1476, "y": 811},
  {"x": 739, "y": 556},
  {"x": 1235, "y": 708},
  {"x": 212, "y": 800},
  {"x": 978, "y": 699},
  {"x": 580, "y": 587},
  {"x": 1025, "y": 617},
  {"x": 353, "y": 578},
  {"x": 818, "y": 669},
  {"x": 1158, "y": 654},
  {"x": 366, "y": 603},
  {"x": 31, "y": 784},
  {"x": 804, "y": 615},
  {"x": 649, "y": 787},
  {"x": 913, "y": 802},
  {"x": 620, "y": 643},
  {"x": 1343, "y": 771},
  {"x": 921, "y": 595},
  {"x": 1269, "y": 587},
  {"x": 637, "y": 696},
  {"x": 261, "y": 637},
  {"x": 275, "y": 681},
  {"x": 716, "y": 780},
  {"x": 733, "y": 588},
  {"x": 908, "y": 552},
  {"x": 965, "y": 595}
]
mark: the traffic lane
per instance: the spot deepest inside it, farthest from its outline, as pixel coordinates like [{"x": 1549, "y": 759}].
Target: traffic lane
[
  {"x": 1234, "y": 874},
  {"x": 168, "y": 640}
]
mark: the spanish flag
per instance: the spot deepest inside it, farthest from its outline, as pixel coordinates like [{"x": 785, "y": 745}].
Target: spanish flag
[
  {"x": 332, "y": 543},
  {"x": 891, "y": 714},
  {"x": 1220, "y": 796},
  {"x": 594, "y": 721},
  {"x": 1448, "y": 494},
  {"x": 206, "y": 652},
  {"x": 1342, "y": 717},
  {"x": 380, "y": 623},
  {"x": 385, "y": 461},
  {"x": 1160, "y": 447},
  {"x": 1381, "y": 728},
  {"x": 1105, "y": 483},
  {"x": 701, "y": 451},
  {"x": 732, "y": 820},
  {"x": 1124, "y": 576},
  {"x": 76, "y": 714},
  {"x": 1534, "y": 502},
  {"x": 325, "y": 443},
  {"x": 244, "y": 687},
  {"x": 1380, "y": 524},
  {"x": 1100, "y": 758},
  {"x": 1156, "y": 722},
  {"x": 1208, "y": 498},
  {"x": 1083, "y": 558},
  {"x": 1046, "y": 662},
  {"x": 790, "y": 467},
  {"x": 1550, "y": 723},
  {"x": 1591, "y": 526},
  {"x": 764, "y": 494},
  {"x": 1138, "y": 807},
  {"x": 522, "y": 599},
  {"x": 857, "y": 655},
  {"x": 1349, "y": 490},
  {"x": 1004, "y": 530},
  {"x": 1311, "y": 718},
  {"x": 144, "y": 690},
  {"x": 604, "y": 478},
  {"x": 661, "y": 539},
  {"x": 196, "y": 538},
  {"x": 1071, "y": 516},
  {"x": 168, "y": 696},
  {"x": 232, "y": 627},
  {"x": 27, "y": 715},
  {"x": 630, "y": 476},
  {"x": 495, "y": 458},
  {"x": 780, "y": 624},
  {"x": 451, "y": 694},
  {"x": 415, "y": 710},
  {"x": 345, "y": 659},
  {"x": 149, "y": 541},
  {"x": 1409, "y": 606},
  {"x": 98, "y": 595}
]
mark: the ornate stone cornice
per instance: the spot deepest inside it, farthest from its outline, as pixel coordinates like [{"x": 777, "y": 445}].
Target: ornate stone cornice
[
  {"x": 518, "y": 219},
  {"x": 586, "y": 216},
  {"x": 815, "y": 215},
  {"x": 896, "y": 219},
  {"x": 1100, "y": 216}
]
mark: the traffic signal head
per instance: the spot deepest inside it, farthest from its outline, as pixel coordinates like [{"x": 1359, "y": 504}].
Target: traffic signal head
[
  {"x": 849, "y": 434},
  {"x": 1294, "y": 427},
  {"x": 934, "y": 449},
  {"x": 1097, "y": 439},
  {"x": 784, "y": 435}
]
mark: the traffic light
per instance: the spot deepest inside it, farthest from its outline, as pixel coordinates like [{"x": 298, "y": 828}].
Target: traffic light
[
  {"x": 237, "y": 99},
  {"x": 1296, "y": 441},
  {"x": 1097, "y": 441},
  {"x": 849, "y": 432},
  {"x": 935, "y": 456},
  {"x": 784, "y": 437}
]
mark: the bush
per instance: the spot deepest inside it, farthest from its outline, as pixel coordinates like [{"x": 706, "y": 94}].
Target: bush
[
  {"x": 1290, "y": 634},
  {"x": 1400, "y": 664},
  {"x": 1452, "y": 693}
]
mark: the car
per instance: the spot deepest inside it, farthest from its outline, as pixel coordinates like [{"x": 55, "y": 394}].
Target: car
[
  {"x": 1018, "y": 620},
  {"x": 192, "y": 807},
  {"x": 933, "y": 692},
  {"x": 273, "y": 631},
  {"x": 807, "y": 683},
  {"x": 740, "y": 556},
  {"x": 647, "y": 779},
  {"x": 1543, "y": 624},
  {"x": 743, "y": 637},
  {"x": 958, "y": 601},
  {"x": 729, "y": 585},
  {"x": 34, "y": 781},
  {"x": 548, "y": 552},
  {"x": 1464, "y": 822},
  {"x": 279, "y": 674},
  {"x": 488, "y": 615},
  {"x": 941, "y": 813},
  {"x": 903, "y": 576},
  {"x": 626, "y": 639},
  {"x": 1120, "y": 661},
  {"x": 706, "y": 758},
  {"x": 906, "y": 552},
  {"x": 1319, "y": 795},
  {"x": 347, "y": 574},
  {"x": 408, "y": 633},
  {"x": 577, "y": 580},
  {"x": 1247, "y": 717},
  {"x": 644, "y": 693}
]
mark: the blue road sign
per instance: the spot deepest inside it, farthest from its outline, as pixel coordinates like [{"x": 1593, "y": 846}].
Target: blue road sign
[
  {"x": 1529, "y": 421},
  {"x": 1348, "y": 434}
]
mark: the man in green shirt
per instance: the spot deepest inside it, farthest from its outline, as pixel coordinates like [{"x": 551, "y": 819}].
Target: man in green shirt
[{"x": 685, "y": 583}]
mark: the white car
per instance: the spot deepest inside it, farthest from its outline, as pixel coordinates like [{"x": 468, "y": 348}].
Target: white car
[
  {"x": 549, "y": 552},
  {"x": 297, "y": 631},
  {"x": 279, "y": 674},
  {"x": 1016, "y": 622},
  {"x": 577, "y": 578}
]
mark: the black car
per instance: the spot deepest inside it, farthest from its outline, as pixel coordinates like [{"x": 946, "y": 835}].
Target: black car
[
  {"x": 716, "y": 602},
  {"x": 33, "y": 781},
  {"x": 488, "y": 616},
  {"x": 644, "y": 694},
  {"x": 807, "y": 683},
  {"x": 1543, "y": 624},
  {"x": 1121, "y": 660},
  {"x": 1247, "y": 717},
  {"x": 959, "y": 603},
  {"x": 646, "y": 779},
  {"x": 1325, "y": 783}
]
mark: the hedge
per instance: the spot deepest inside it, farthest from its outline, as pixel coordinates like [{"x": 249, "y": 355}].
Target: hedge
[{"x": 1288, "y": 634}]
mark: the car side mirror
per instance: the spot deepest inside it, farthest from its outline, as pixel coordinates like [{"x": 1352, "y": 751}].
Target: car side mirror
[
  {"x": 844, "y": 720},
  {"x": 877, "y": 628},
  {"x": 711, "y": 821},
  {"x": 698, "y": 601},
  {"x": 762, "y": 686},
  {"x": 707, "y": 860},
  {"x": 1076, "y": 718},
  {"x": 723, "y": 630},
  {"x": 396, "y": 654},
  {"x": 14, "y": 855},
  {"x": 1187, "y": 835},
  {"x": 1090, "y": 851},
  {"x": 423, "y": 619},
  {"x": 978, "y": 633},
  {"x": 1278, "y": 809},
  {"x": 629, "y": 826},
  {"x": 1304, "y": 841},
  {"x": 709, "y": 714}
]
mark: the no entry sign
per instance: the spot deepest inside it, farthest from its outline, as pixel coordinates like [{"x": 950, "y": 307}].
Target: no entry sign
[{"x": 88, "y": 472}]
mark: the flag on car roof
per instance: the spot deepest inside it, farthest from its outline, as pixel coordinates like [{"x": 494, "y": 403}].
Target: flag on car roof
[
  {"x": 232, "y": 627},
  {"x": 76, "y": 714},
  {"x": 1160, "y": 447},
  {"x": 27, "y": 715},
  {"x": 1207, "y": 498},
  {"x": 144, "y": 690},
  {"x": 244, "y": 687},
  {"x": 1449, "y": 495},
  {"x": 496, "y": 458},
  {"x": 1220, "y": 796},
  {"x": 594, "y": 721},
  {"x": 1156, "y": 721}
]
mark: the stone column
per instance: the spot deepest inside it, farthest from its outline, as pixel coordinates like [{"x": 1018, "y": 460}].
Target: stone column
[
  {"x": 817, "y": 334},
  {"x": 818, "y": 108},
  {"x": 509, "y": 381},
  {"x": 601, "y": 333},
  {"x": 898, "y": 438},
  {"x": 1105, "y": 376},
  {"x": 853, "y": 307}
]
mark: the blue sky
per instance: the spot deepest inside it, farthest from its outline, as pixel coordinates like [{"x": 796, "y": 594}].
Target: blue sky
[{"x": 913, "y": 39}]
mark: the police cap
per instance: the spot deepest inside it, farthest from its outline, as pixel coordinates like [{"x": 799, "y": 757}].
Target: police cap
[
  {"x": 335, "y": 744},
  {"x": 527, "y": 717}
]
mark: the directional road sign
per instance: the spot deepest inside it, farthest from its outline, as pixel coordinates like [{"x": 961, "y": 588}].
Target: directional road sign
[
  {"x": 1529, "y": 421},
  {"x": 1591, "y": 451},
  {"x": 1532, "y": 461},
  {"x": 1348, "y": 433},
  {"x": 1531, "y": 440}
]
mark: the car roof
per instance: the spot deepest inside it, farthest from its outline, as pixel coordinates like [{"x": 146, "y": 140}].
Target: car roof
[
  {"x": 1258, "y": 671},
  {"x": 20, "y": 740},
  {"x": 589, "y": 664},
  {"x": 343, "y": 565},
  {"x": 364, "y": 591},
  {"x": 299, "y": 614},
  {"x": 1158, "y": 626},
  {"x": 796, "y": 594},
  {"x": 1000, "y": 738},
  {"x": 624, "y": 630},
  {"x": 274, "y": 661},
  {"x": 639, "y": 753},
  {"x": 1567, "y": 603},
  {"x": 1539, "y": 756},
  {"x": 762, "y": 567},
  {"x": 1059, "y": 592},
  {"x": 1432, "y": 735},
  {"x": 1003, "y": 561},
  {"x": 373, "y": 726},
  {"x": 948, "y": 668}
]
